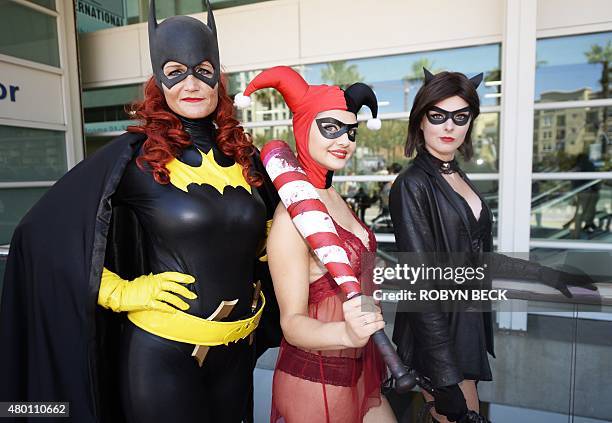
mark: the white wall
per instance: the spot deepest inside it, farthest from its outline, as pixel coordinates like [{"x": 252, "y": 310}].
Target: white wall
[{"x": 308, "y": 31}]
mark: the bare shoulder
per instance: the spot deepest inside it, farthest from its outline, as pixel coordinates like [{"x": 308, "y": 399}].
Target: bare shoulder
[
  {"x": 284, "y": 240},
  {"x": 282, "y": 225},
  {"x": 281, "y": 219}
]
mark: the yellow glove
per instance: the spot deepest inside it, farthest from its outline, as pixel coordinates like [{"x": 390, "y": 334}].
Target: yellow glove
[
  {"x": 264, "y": 257},
  {"x": 147, "y": 292}
]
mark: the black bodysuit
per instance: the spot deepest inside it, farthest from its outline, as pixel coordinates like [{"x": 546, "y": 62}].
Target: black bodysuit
[{"x": 212, "y": 232}]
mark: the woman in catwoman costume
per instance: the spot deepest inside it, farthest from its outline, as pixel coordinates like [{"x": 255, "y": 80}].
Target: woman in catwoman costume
[
  {"x": 435, "y": 208},
  {"x": 172, "y": 197}
]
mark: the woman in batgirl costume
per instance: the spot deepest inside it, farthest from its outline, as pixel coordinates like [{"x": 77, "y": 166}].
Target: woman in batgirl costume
[{"x": 163, "y": 229}]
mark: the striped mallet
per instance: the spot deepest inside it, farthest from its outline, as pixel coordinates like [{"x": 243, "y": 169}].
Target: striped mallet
[{"x": 313, "y": 222}]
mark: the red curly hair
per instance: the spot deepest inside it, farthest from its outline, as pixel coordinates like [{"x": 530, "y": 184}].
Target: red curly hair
[{"x": 166, "y": 137}]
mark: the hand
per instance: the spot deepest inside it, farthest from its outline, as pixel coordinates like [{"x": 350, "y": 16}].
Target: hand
[
  {"x": 147, "y": 292},
  {"x": 362, "y": 317},
  {"x": 560, "y": 280},
  {"x": 449, "y": 402}
]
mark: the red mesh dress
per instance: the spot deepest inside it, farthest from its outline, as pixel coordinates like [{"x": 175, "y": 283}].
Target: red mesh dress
[{"x": 336, "y": 386}]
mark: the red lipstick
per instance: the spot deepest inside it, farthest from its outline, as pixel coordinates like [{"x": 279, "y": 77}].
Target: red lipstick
[
  {"x": 341, "y": 154},
  {"x": 447, "y": 139},
  {"x": 192, "y": 99}
]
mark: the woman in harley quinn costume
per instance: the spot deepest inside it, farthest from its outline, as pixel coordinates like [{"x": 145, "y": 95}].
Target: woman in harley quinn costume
[
  {"x": 169, "y": 240},
  {"x": 328, "y": 370},
  {"x": 436, "y": 208}
]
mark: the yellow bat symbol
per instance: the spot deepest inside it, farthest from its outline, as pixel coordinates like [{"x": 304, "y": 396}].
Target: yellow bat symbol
[{"x": 209, "y": 172}]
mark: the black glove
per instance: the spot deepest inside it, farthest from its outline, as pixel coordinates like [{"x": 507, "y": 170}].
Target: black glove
[
  {"x": 474, "y": 417},
  {"x": 561, "y": 279},
  {"x": 449, "y": 402}
]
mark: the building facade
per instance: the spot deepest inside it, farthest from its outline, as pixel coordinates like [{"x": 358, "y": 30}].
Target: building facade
[{"x": 68, "y": 68}]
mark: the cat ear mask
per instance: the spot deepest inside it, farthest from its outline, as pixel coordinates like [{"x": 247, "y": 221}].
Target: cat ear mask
[{"x": 475, "y": 80}]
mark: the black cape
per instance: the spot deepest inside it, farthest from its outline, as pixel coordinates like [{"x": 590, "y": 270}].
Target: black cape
[{"x": 57, "y": 344}]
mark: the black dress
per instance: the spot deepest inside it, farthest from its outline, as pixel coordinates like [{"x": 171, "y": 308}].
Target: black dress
[{"x": 469, "y": 326}]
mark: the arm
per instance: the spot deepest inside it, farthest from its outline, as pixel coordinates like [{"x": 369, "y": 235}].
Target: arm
[
  {"x": 506, "y": 267},
  {"x": 269, "y": 333},
  {"x": 288, "y": 258},
  {"x": 135, "y": 289},
  {"x": 412, "y": 224},
  {"x": 147, "y": 292}
]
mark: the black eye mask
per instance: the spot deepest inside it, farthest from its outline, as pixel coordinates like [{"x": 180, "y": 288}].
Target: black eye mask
[
  {"x": 185, "y": 40},
  {"x": 171, "y": 80},
  {"x": 458, "y": 116},
  {"x": 343, "y": 128}
]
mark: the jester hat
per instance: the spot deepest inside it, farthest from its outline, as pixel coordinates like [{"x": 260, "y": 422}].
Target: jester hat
[{"x": 305, "y": 102}]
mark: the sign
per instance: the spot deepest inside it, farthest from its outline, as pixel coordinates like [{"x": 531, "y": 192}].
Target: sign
[
  {"x": 100, "y": 128},
  {"x": 93, "y": 15},
  {"x": 8, "y": 92},
  {"x": 30, "y": 95}
]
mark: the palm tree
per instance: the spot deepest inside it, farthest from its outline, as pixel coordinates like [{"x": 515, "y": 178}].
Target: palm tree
[
  {"x": 603, "y": 55},
  {"x": 416, "y": 76},
  {"x": 338, "y": 73},
  {"x": 268, "y": 98}
]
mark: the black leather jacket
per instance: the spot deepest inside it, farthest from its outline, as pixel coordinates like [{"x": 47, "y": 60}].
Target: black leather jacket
[{"x": 429, "y": 217}]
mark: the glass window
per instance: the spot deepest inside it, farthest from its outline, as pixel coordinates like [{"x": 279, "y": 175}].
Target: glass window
[
  {"x": 264, "y": 134},
  {"x": 49, "y": 4},
  {"x": 28, "y": 154},
  {"x": 104, "y": 111},
  {"x": 376, "y": 150},
  {"x": 485, "y": 140},
  {"x": 572, "y": 209},
  {"x": 108, "y": 105},
  {"x": 573, "y": 67},
  {"x": 93, "y": 16},
  {"x": 370, "y": 200},
  {"x": 184, "y": 7},
  {"x": 112, "y": 96},
  {"x": 28, "y": 34},
  {"x": 581, "y": 140},
  {"x": 593, "y": 262},
  {"x": 14, "y": 204},
  {"x": 395, "y": 79}
]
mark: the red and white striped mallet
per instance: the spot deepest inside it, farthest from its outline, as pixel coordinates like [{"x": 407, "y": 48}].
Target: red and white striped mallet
[{"x": 313, "y": 222}]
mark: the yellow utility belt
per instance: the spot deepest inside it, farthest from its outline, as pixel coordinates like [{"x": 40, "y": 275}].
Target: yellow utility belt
[{"x": 183, "y": 327}]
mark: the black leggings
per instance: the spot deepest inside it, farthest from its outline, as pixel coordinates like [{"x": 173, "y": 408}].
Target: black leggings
[{"x": 161, "y": 382}]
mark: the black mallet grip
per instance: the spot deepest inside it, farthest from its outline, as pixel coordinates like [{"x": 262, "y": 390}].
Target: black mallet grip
[{"x": 405, "y": 379}]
